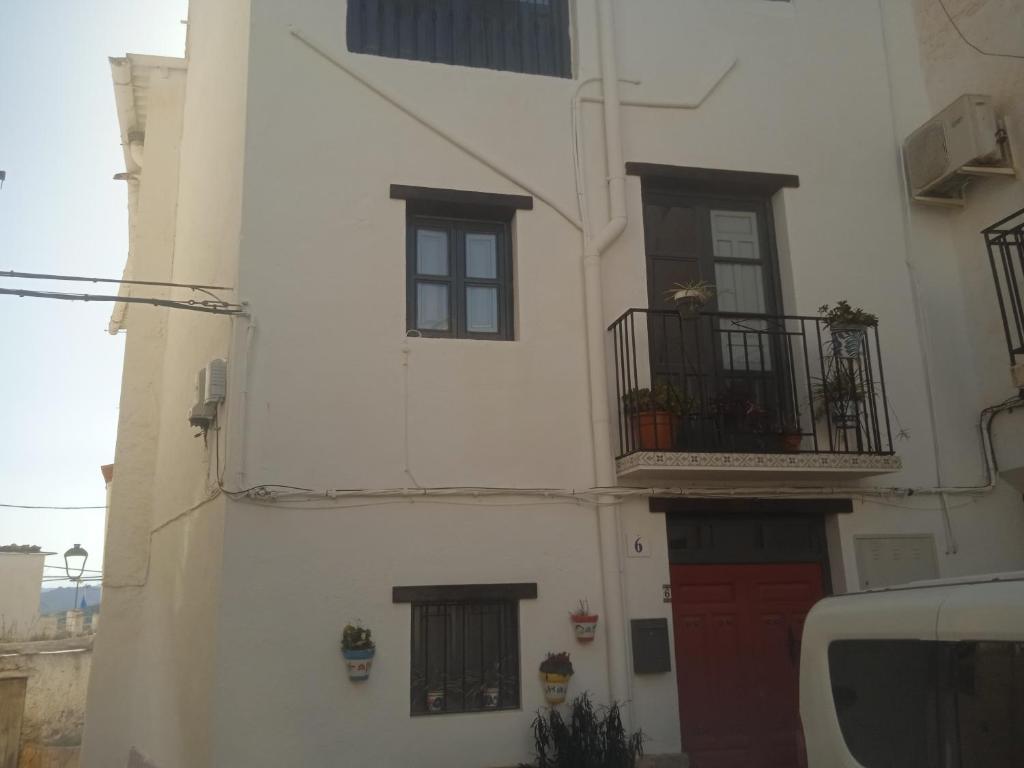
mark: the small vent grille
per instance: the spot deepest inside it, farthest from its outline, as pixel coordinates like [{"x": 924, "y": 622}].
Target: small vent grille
[{"x": 927, "y": 156}]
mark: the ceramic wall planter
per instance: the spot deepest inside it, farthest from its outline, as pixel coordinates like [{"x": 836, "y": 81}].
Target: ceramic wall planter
[
  {"x": 556, "y": 687},
  {"x": 359, "y": 663},
  {"x": 491, "y": 698},
  {"x": 585, "y": 626},
  {"x": 435, "y": 700},
  {"x": 847, "y": 341}
]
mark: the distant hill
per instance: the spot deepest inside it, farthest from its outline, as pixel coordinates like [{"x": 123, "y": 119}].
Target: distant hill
[{"x": 63, "y": 598}]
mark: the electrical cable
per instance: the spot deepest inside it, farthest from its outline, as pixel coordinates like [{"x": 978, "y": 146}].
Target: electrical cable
[
  {"x": 209, "y": 307},
  {"x": 43, "y": 506},
  {"x": 963, "y": 37},
  {"x": 84, "y": 279}
]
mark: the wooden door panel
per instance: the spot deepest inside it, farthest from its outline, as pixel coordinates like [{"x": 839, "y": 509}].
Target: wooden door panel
[
  {"x": 12, "y": 708},
  {"x": 737, "y": 633}
]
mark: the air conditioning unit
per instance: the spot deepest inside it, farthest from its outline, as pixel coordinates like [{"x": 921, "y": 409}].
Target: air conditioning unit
[{"x": 962, "y": 141}]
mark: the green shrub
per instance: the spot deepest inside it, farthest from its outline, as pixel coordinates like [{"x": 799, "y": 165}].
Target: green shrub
[{"x": 592, "y": 738}]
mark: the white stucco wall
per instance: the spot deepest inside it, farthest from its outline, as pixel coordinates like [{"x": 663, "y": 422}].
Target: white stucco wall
[{"x": 22, "y": 577}]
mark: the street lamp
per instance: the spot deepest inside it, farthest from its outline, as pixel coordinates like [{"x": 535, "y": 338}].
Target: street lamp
[{"x": 74, "y": 566}]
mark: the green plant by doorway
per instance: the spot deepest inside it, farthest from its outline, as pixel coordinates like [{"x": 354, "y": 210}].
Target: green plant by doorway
[{"x": 592, "y": 737}]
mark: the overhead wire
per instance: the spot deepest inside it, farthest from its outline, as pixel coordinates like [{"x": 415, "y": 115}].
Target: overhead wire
[{"x": 207, "y": 306}]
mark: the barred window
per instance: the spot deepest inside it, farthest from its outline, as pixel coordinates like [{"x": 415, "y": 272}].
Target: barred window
[
  {"x": 529, "y": 36},
  {"x": 464, "y": 646},
  {"x": 465, "y": 657}
]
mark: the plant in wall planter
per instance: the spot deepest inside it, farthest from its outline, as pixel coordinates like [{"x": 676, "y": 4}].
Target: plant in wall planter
[
  {"x": 653, "y": 415},
  {"x": 435, "y": 700},
  {"x": 848, "y": 326},
  {"x": 690, "y": 296},
  {"x": 490, "y": 696},
  {"x": 584, "y": 622},
  {"x": 358, "y": 649},
  {"x": 555, "y": 672},
  {"x": 843, "y": 393}
]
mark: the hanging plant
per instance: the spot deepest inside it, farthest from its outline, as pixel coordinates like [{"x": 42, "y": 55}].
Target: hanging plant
[
  {"x": 358, "y": 648},
  {"x": 690, "y": 296},
  {"x": 584, "y": 622},
  {"x": 848, "y": 327},
  {"x": 555, "y": 672}
]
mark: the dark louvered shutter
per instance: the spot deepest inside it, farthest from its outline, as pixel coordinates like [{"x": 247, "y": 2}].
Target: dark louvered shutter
[{"x": 530, "y": 36}]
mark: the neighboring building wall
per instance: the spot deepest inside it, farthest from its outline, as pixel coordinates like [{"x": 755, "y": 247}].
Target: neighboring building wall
[
  {"x": 57, "y": 673},
  {"x": 162, "y": 595},
  {"x": 21, "y": 575},
  {"x": 951, "y": 68}
]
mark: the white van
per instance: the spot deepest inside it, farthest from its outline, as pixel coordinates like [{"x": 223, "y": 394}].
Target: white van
[{"x": 930, "y": 675}]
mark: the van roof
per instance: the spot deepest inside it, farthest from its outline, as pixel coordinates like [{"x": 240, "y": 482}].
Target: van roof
[
  {"x": 986, "y": 606},
  {"x": 955, "y": 581}
]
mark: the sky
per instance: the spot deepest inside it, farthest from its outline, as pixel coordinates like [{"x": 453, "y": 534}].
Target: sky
[{"x": 61, "y": 212}]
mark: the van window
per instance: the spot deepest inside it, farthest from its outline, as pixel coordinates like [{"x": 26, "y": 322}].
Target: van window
[{"x": 919, "y": 704}]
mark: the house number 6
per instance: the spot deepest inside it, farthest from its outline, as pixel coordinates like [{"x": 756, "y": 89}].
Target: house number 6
[{"x": 637, "y": 546}]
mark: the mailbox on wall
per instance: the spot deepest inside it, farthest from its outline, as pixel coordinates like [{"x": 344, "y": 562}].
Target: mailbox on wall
[{"x": 650, "y": 646}]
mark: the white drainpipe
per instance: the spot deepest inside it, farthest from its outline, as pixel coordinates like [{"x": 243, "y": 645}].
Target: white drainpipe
[{"x": 604, "y": 467}]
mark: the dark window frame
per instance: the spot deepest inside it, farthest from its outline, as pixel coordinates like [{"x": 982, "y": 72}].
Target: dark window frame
[
  {"x": 457, "y": 281},
  {"x": 525, "y": 36}
]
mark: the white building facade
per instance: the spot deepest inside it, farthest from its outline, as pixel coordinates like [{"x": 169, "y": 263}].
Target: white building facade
[{"x": 448, "y": 229}]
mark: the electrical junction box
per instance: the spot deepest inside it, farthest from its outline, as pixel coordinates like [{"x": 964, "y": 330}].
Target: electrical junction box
[
  {"x": 201, "y": 414},
  {"x": 215, "y": 389}
]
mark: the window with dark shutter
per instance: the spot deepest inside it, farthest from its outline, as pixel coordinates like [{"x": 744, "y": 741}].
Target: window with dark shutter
[{"x": 529, "y": 36}]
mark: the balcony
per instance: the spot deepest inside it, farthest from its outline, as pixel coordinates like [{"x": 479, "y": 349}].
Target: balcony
[
  {"x": 1005, "y": 242},
  {"x": 725, "y": 396}
]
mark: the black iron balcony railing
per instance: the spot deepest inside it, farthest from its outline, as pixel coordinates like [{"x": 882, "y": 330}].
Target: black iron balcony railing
[
  {"x": 1005, "y": 242},
  {"x": 725, "y": 382}
]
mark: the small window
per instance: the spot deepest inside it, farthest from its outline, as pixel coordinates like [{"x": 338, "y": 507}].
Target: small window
[
  {"x": 460, "y": 278},
  {"x": 529, "y": 36},
  {"x": 911, "y": 703},
  {"x": 465, "y": 656}
]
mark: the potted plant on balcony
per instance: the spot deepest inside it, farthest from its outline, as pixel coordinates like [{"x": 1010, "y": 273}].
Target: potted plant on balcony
[
  {"x": 842, "y": 391},
  {"x": 653, "y": 415},
  {"x": 690, "y": 295},
  {"x": 848, "y": 327},
  {"x": 358, "y": 649},
  {"x": 741, "y": 419},
  {"x": 555, "y": 672},
  {"x": 791, "y": 436},
  {"x": 584, "y": 622}
]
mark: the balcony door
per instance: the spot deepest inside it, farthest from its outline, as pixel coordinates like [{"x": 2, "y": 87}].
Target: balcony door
[{"x": 728, "y": 357}]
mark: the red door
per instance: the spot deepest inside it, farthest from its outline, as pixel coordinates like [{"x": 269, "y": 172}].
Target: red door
[{"x": 737, "y": 639}]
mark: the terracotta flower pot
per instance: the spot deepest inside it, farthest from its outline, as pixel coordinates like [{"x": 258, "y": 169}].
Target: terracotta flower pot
[
  {"x": 791, "y": 442},
  {"x": 359, "y": 663},
  {"x": 653, "y": 430},
  {"x": 585, "y": 626},
  {"x": 556, "y": 687}
]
